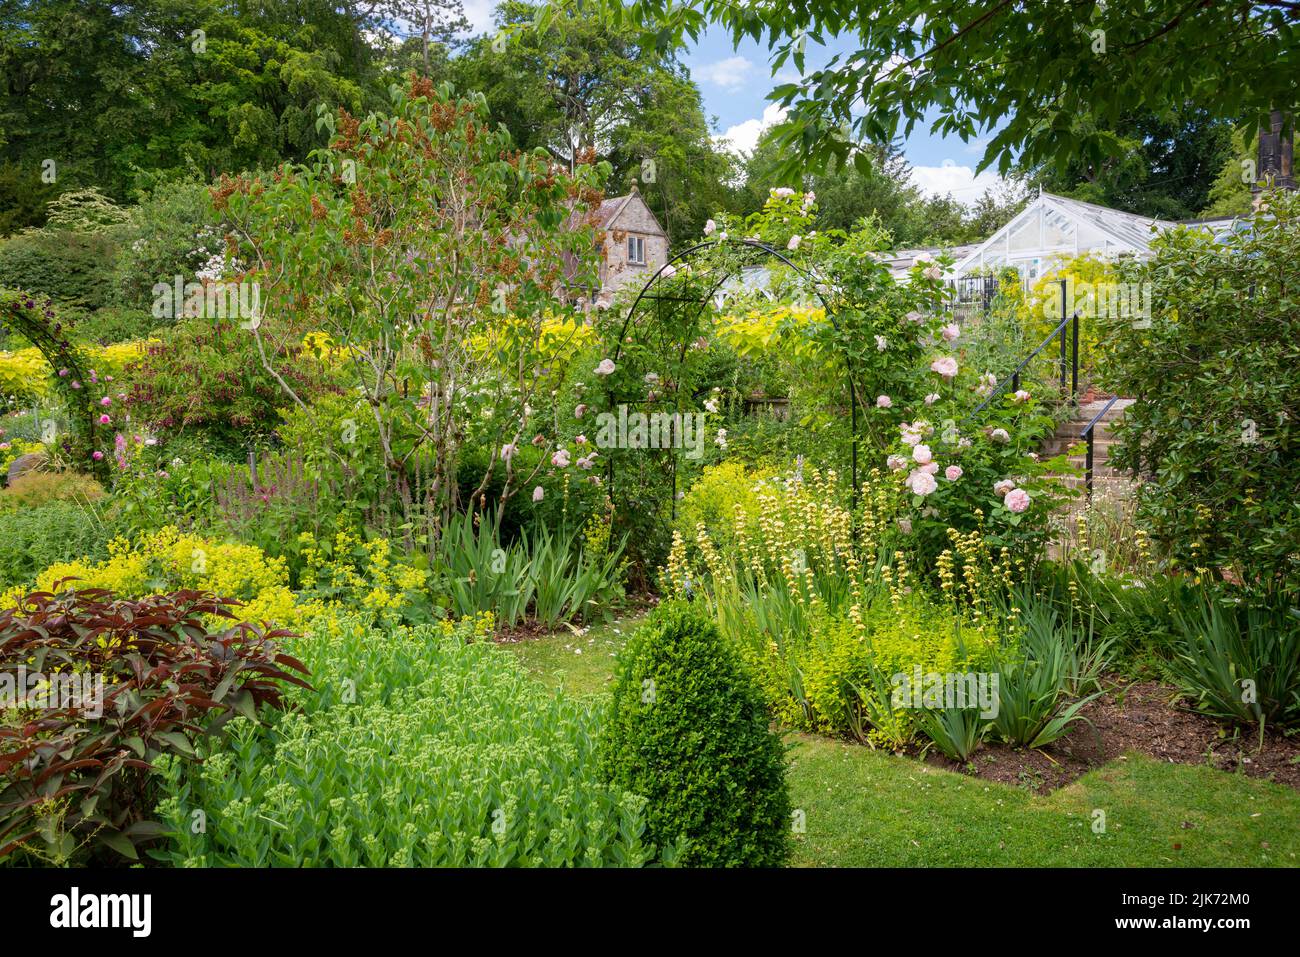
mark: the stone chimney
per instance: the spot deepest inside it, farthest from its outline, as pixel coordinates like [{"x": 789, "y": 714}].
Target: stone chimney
[{"x": 1276, "y": 155}]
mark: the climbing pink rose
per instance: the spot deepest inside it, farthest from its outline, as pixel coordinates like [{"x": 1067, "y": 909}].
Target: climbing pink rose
[
  {"x": 580, "y": 440},
  {"x": 97, "y": 455},
  {"x": 921, "y": 483},
  {"x": 951, "y": 332},
  {"x": 1003, "y": 487},
  {"x": 884, "y": 402},
  {"x": 106, "y": 401},
  {"x": 537, "y": 494},
  {"x": 580, "y": 410},
  {"x": 560, "y": 459},
  {"x": 1021, "y": 395},
  {"x": 922, "y": 454},
  {"x": 1017, "y": 500},
  {"x": 946, "y": 367},
  {"x": 930, "y": 468},
  {"x": 104, "y": 420},
  {"x": 895, "y": 462},
  {"x": 606, "y": 367},
  {"x": 952, "y": 473}
]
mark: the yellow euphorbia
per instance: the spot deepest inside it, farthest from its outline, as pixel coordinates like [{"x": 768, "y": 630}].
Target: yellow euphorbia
[
  {"x": 169, "y": 560},
  {"x": 25, "y": 373}
]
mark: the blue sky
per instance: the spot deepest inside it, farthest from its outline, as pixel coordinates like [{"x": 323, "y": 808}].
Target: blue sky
[{"x": 735, "y": 82}]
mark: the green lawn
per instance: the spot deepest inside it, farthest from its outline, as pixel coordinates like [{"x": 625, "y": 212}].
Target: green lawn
[{"x": 864, "y": 808}]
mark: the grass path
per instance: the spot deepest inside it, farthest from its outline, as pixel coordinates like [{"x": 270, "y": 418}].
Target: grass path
[{"x": 865, "y": 808}]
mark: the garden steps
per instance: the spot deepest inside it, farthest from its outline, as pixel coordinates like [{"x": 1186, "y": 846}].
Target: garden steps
[{"x": 1067, "y": 436}]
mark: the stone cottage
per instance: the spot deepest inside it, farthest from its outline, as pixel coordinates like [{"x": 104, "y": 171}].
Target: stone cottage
[{"x": 636, "y": 246}]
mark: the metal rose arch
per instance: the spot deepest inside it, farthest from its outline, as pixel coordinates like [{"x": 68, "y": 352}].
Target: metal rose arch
[
  {"x": 665, "y": 326},
  {"x": 36, "y": 321}
]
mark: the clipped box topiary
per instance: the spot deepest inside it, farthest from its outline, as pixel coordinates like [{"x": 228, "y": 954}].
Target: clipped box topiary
[{"x": 688, "y": 730}]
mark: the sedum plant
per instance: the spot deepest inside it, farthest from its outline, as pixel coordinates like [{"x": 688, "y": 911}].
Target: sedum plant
[{"x": 420, "y": 749}]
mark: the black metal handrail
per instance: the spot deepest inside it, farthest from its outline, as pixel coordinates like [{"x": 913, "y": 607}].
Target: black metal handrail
[
  {"x": 1014, "y": 378},
  {"x": 1087, "y": 433}
]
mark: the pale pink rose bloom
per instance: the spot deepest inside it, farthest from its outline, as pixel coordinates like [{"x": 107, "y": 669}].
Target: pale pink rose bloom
[
  {"x": 537, "y": 494},
  {"x": 1017, "y": 500},
  {"x": 1003, "y": 487},
  {"x": 884, "y": 402},
  {"x": 580, "y": 410},
  {"x": 606, "y": 367},
  {"x": 895, "y": 462},
  {"x": 952, "y": 473},
  {"x": 793, "y": 243},
  {"x": 580, "y": 440},
  {"x": 930, "y": 468},
  {"x": 709, "y": 227},
  {"x": 951, "y": 332},
  {"x": 1000, "y": 435},
  {"x": 1021, "y": 395},
  {"x": 921, "y": 454},
  {"x": 560, "y": 459},
  {"x": 921, "y": 483},
  {"x": 946, "y": 366},
  {"x": 932, "y": 398}
]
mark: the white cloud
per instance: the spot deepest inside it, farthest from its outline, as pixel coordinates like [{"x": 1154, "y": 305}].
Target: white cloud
[
  {"x": 730, "y": 74},
  {"x": 961, "y": 182},
  {"x": 743, "y": 137},
  {"x": 479, "y": 14}
]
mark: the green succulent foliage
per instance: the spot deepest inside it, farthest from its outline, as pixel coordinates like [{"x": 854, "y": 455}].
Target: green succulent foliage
[
  {"x": 688, "y": 730},
  {"x": 415, "y": 749}
]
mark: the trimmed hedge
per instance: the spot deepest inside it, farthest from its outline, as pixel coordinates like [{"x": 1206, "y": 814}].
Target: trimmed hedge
[{"x": 688, "y": 730}]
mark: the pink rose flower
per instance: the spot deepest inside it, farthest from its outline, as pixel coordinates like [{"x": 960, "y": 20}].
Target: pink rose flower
[
  {"x": 921, "y": 483},
  {"x": 1017, "y": 500},
  {"x": 1003, "y": 487},
  {"x": 606, "y": 367},
  {"x": 952, "y": 473},
  {"x": 1000, "y": 435},
  {"x": 922, "y": 454},
  {"x": 884, "y": 402},
  {"x": 951, "y": 332},
  {"x": 106, "y": 401},
  {"x": 1021, "y": 395},
  {"x": 537, "y": 494},
  {"x": 895, "y": 462},
  {"x": 946, "y": 367},
  {"x": 930, "y": 468},
  {"x": 580, "y": 410},
  {"x": 560, "y": 459},
  {"x": 104, "y": 420}
]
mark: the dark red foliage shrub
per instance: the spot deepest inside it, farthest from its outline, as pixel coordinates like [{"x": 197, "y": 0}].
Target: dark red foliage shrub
[{"x": 76, "y": 772}]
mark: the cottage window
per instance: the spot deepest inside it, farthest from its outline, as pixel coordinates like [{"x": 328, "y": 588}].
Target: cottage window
[{"x": 636, "y": 250}]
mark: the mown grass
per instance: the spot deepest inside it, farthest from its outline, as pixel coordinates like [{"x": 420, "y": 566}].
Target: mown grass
[{"x": 865, "y": 808}]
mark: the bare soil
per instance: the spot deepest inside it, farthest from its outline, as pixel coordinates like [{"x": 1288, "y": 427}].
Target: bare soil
[{"x": 1145, "y": 717}]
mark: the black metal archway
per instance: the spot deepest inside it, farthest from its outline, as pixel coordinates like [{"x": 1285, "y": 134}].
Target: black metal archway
[{"x": 677, "y": 297}]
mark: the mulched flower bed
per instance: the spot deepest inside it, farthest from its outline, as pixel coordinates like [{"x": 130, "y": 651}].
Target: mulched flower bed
[{"x": 1142, "y": 717}]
